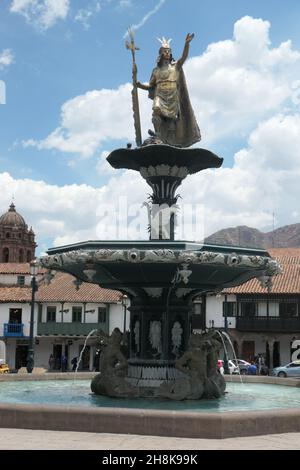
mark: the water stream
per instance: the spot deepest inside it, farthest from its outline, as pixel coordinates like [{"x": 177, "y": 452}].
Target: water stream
[
  {"x": 224, "y": 333},
  {"x": 82, "y": 351}
]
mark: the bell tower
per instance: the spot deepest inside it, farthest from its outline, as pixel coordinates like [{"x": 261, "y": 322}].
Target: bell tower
[{"x": 17, "y": 242}]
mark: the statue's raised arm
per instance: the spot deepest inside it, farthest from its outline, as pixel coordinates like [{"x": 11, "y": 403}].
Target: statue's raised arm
[{"x": 186, "y": 49}]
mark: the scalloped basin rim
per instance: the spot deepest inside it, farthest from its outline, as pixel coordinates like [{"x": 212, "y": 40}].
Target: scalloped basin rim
[
  {"x": 195, "y": 159},
  {"x": 157, "y": 245}
]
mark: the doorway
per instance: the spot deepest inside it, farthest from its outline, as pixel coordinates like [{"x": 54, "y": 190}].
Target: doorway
[
  {"x": 21, "y": 356},
  {"x": 248, "y": 350},
  {"x": 57, "y": 353},
  {"x": 267, "y": 354},
  {"x": 276, "y": 354}
]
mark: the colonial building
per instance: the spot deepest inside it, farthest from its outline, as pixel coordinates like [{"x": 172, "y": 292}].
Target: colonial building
[
  {"x": 65, "y": 313},
  {"x": 17, "y": 244},
  {"x": 259, "y": 321},
  {"x": 63, "y": 317}
]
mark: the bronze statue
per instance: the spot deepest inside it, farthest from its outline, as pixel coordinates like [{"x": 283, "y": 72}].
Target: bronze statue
[
  {"x": 199, "y": 365},
  {"x": 113, "y": 368},
  {"x": 173, "y": 117}
]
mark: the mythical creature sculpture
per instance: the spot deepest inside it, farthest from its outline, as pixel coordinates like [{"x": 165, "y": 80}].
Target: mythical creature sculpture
[
  {"x": 113, "y": 368},
  {"x": 199, "y": 364}
]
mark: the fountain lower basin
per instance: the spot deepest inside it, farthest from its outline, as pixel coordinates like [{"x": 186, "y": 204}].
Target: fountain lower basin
[{"x": 254, "y": 407}]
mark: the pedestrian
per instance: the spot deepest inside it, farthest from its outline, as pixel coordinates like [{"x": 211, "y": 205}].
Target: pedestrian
[
  {"x": 252, "y": 369},
  {"x": 96, "y": 363},
  {"x": 64, "y": 363},
  {"x": 51, "y": 362},
  {"x": 74, "y": 363}
]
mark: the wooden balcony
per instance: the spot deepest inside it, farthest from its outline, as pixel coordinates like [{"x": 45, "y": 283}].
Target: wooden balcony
[
  {"x": 69, "y": 329},
  {"x": 13, "y": 330},
  {"x": 274, "y": 324}
]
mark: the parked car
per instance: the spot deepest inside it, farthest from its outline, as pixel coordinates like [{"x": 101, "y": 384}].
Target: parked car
[
  {"x": 232, "y": 368},
  {"x": 289, "y": 370},
  {"x": 242, "y": 365},
  {"x": 4, "y": 369}
]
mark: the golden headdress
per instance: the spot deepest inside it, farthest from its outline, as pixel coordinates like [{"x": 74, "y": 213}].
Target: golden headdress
[{"x": 165, "y": 43}]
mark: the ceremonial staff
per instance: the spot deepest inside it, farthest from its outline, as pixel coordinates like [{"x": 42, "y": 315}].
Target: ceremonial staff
[{"x": 135, "y": 98}]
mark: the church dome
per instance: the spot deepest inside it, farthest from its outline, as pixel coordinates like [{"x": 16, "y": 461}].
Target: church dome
[{"x": 11, "y": 218}]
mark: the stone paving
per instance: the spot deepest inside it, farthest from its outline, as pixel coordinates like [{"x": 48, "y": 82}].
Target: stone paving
[{"x": 21, "y": 439}]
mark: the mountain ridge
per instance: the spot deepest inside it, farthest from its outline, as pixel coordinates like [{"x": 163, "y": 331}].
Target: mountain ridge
[{"x": 287, "y": 236}]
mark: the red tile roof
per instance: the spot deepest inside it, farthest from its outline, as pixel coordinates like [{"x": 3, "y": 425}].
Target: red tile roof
[
  {"x": 286, "y": 283},
  {"x": 17, "y": 268},
  {"x": 14, "y": 268},
  {"x": 62, "y": 289},
  {"x": 15, "y": 294}
]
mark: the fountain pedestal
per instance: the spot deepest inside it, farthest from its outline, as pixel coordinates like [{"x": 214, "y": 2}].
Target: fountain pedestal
[{"x": 162, "y": 277}]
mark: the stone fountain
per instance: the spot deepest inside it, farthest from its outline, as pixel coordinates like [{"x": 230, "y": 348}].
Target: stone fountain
[{"x": 162, "y": 276}]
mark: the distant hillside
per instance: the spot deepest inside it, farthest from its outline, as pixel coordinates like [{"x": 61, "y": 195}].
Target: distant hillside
[{"x": 282, "y": 237}]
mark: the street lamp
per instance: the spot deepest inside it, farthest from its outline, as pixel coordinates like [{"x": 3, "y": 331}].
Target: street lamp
[
  {"x": 226, "y": 366},
  {"x": 34, "y": 288},
  {"x": 124, "y": 303}
]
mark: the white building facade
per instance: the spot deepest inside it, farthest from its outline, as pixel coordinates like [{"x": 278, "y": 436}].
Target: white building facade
[
  {"x": 261, "y": 322},
  {"x": 64, "y": 316}
]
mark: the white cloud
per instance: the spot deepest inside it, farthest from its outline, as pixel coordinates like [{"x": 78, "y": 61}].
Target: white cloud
[
  {"x": 231, "y": 89},
  {"x": 69, "y": 213},
  {"x": 6, "y": 58},
  {"x": 84, "y": 15},
  {"x": 125, "y": 3},
  {"x": 264, "y": 179},
  {"x": 41, "y": 13},
  {"x": 53, "y": 211},
  {"x": 238, "y": 82},
  {"x": 89, "y": 120},
  {"x": 103, "y": 167}
]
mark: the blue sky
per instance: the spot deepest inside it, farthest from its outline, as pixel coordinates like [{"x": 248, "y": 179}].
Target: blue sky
[{"x": 67, "y": 76}]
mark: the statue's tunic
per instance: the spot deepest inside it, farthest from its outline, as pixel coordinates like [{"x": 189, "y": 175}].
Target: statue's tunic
[
  {"x": 166, "y": 101},
  {"x": 171, "y": 101}
]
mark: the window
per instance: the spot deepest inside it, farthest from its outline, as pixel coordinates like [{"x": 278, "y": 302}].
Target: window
[
  {"x": 248, "y": 309},
  {"x": 51, "y": 314},
  {"x": 21, "y": 281},
  {"x": 76, "y": 314},
  {"x": 288, "y": 309},
  {"x": 102, "y": 314},
  {"x": 197, "y": 308},
  {"x": 40, "y": 313},
  {"x": 231, "y": 309},
  {"x": 5, "y": 255},
  {"x": 15, "y": 315},
  {"x": 21, "y": 256}
]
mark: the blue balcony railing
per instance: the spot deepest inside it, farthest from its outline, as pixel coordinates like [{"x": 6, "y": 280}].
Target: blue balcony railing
[{"x": 13, "y": 330}]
